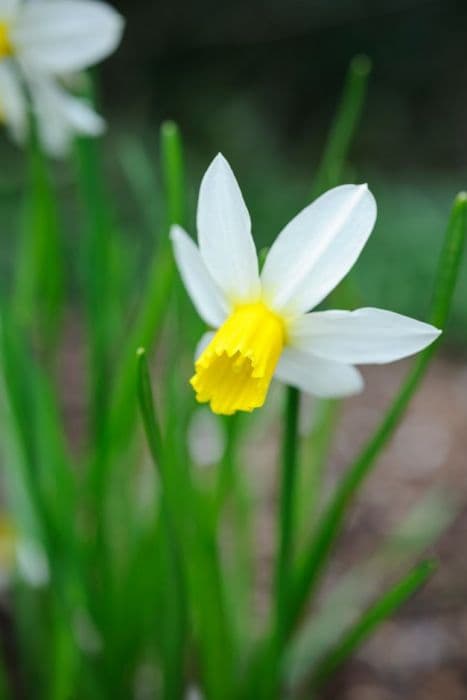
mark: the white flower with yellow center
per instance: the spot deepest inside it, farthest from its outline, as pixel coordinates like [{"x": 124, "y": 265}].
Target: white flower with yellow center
[
  {"x": 42, "y": 41},
  {"x": 263, "y": 328}
]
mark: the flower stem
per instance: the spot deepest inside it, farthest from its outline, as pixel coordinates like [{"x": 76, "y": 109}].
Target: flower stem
[
  {"x": 287, "y": 505},
  {"x": 344, "y": 126}
]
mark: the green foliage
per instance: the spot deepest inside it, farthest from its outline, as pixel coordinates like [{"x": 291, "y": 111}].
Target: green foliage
[{"x": 146, "y": 584}]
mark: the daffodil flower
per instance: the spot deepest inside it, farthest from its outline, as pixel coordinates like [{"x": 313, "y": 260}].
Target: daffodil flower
[
  {"x": 262, "y": 320},
  {"x": 42, "y": 42}
]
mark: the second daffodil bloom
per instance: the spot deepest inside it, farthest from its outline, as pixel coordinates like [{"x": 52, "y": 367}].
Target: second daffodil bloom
[
  {"x": 262, "y": 320},
  {"x": 41, "y": 43}
]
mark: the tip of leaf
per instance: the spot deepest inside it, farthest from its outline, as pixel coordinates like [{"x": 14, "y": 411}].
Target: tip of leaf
[
  {"x": 169, "y": 128},
  {"x": 461, "y": 197},
  {"x": 140, "y": 352},
  {"x": 429, "y": 566},
  {"x": 361, "y": 64}
]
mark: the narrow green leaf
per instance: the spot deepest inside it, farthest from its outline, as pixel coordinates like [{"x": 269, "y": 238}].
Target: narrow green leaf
[
  {"x": 213, "y": 633},
  {"x": 286, "y": 524},
  {"x": 173, "y": 173},
  {"x": 138, "y": 169},
  {"x": 96, "y": 276},
  {"x": 371, "y": 620},
  {"x": 155, "y": 299},
  {"x": 174, "y": 613},
  {"x": 32, "y": 415},
  {"x": 343, "y": 129},
  {"x": 312, "y": 564},
  {"x": 343, "y": 604},
  {"x": 146, "y": 403},
  {"x": 39, "y": 293},
  {"x": 18, "y": 375}
]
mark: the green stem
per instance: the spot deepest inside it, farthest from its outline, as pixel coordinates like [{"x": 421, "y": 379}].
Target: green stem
[
  {"x": 344, "y": 126},
  {"x": 290, "y": 445},
  {"x": 227, "y": 472}
]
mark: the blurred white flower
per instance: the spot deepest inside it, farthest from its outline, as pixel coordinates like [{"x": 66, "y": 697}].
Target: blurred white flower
[
  {"x": 86, "y": 633},
  {"x": 22, "y": 556},
  {"x": 32, "y": 563},
  {"x": 193, "y": 693},
  {"x": 264, "y": 329},
  {"x": 41, "y": 43},
  {"x": 60, "y": 116},
  {"x": 206, "y": 439},
  {"x": 8, "y": 542}
]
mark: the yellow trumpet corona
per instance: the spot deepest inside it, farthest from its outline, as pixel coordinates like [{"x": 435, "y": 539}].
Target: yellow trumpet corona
[
  {"x": 234, "y": 371},
  {"x": 6, "y": 48}
]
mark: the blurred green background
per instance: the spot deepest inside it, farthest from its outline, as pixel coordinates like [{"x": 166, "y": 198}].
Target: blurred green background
[{"x": 261, "y": 82}]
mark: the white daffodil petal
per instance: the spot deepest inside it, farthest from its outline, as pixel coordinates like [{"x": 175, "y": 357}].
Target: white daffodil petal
[
  {"x": 207, "y": 298},
  {"x": 60, "y": 36},
  {"x": 317, "y": 376},
  {"x": 317, "y": 248},
  {"x": 8, "y": 9},
  {"x": 61, "y": 116},
  {"x": 81, "y": 116},
  {"x": 365, "y": 336},
  {"x": 203, "y": 343},
  {"x": 224, "y": 234},
  {"x": 13, "y": 107}
]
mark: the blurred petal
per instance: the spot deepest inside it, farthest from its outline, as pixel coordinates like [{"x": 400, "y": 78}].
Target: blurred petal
[
  {"x": 61, "y": 116},
  {"x": 224, "y": 234},
  {"x": 9, "y": 9},
  {"x": 362, "y": 336},
  {"x": 13, "y": 107},
  {"x": 205, "y": 438},
  {"x": 318, "y": 248},
  {"x": 207, "y": 298},
  {"x": 203, "y": 343},
  {"x": 58, "y": 36},
  {"x": 317, "y": 376}
]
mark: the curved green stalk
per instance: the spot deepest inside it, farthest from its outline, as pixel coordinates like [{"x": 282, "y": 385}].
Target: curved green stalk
[
  {"x": 386, "y": 606},
  {"x": 345, "y": 124},
  {"x": 290, "y": 449}
]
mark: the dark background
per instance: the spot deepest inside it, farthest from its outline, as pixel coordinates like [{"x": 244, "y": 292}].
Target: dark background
[{"x": 278, "y": 67}]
